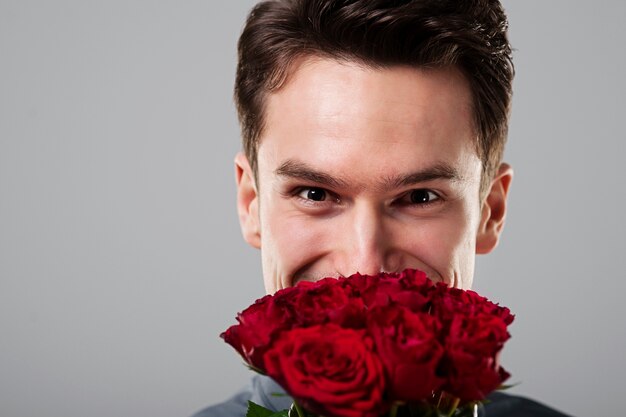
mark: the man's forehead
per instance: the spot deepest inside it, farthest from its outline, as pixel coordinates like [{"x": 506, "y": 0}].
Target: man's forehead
[
  {"x": 315, "y": 75},
  {"x": 326, "y": 96}
]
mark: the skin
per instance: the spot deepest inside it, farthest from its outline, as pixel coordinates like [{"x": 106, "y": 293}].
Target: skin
[{"x": 369, "y": 170}]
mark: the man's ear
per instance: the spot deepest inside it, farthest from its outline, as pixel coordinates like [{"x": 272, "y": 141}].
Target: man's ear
[
  {"x": 247, "y": 201},
  {"x": 493, "y": 211}
]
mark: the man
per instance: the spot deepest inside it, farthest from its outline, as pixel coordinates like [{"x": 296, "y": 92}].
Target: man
[{"x": 373, "y": 134}]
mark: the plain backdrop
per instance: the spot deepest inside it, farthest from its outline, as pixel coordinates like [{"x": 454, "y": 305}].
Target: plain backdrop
[{"x": 121, "y": 259}]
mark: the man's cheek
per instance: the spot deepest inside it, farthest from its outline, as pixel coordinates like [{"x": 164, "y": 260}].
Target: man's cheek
[
  {"x": 437, "y": 244},
  {"x": 298, "y": 241}
]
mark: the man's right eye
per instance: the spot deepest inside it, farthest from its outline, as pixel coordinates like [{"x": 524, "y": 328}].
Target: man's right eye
[{"x": 312, "y": 194}]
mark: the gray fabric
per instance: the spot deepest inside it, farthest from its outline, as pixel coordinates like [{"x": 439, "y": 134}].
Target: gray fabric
[{"x": 263, "y": 390}]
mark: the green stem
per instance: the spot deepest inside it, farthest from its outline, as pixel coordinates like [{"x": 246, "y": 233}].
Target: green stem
[
  {"x": 440, "y": 398},
  {"x": 299, "y": 410},
  {"x": 394, "y": 410},
  {"x": 455, "y": 404}
]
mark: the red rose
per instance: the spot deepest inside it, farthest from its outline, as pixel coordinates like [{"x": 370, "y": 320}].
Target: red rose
[
  {"x": 471, "y": 360},
  {"x": 449, "y": 302},
  {"x": 473, "y": 332},
  {"x": 326, "y": 301},
  {"x": 355, "y": 284},
  {"x": 258, "y": 325},
  {"x": 329, "y": 370},
  {"x": 408, "y": 347},
  {"x": 410, "y": 288}
]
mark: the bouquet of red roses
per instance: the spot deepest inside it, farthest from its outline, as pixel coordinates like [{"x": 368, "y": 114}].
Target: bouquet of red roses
[{"x": 367, "y": 346}]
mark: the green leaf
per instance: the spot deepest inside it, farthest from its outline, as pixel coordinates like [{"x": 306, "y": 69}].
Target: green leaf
[
  {"x": 253, "y": 368},
  {"x": 284, "y": 413},
  {"x": 255, "y": 410},
  {"x": 509, "y": 386}
]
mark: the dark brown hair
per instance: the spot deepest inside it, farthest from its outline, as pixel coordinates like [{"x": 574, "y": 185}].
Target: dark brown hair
[{"x": 470, "y": 35}]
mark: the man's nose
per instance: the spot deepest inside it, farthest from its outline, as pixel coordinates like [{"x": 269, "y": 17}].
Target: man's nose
[{"x": 368, "y": 246}]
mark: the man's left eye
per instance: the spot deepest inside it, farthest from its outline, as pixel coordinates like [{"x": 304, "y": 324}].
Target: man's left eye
[
  {"x": 422, "y": 196},
  {"x": 313, "y": 194}
]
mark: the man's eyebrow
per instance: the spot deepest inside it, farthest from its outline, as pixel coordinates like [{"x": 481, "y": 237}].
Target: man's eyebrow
[
  {"x": 302, "y": 171},
  {"x": 436, "y": 172}
]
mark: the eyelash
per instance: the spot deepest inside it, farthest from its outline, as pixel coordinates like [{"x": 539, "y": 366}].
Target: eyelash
[
  {"x": 436, "y": 199},
  {"x": 331, "y": 197},
  {"x": 299, "y": 190}
]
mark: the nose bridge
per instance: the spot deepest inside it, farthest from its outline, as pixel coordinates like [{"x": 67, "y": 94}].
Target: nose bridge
[{"x": 367, "y": 252}]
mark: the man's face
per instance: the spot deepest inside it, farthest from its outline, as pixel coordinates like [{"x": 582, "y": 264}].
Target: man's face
[{"x": 368, "y": 170}]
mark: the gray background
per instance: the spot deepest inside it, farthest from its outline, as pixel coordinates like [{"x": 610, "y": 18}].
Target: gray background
[{"x": 120, "y": 254}]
